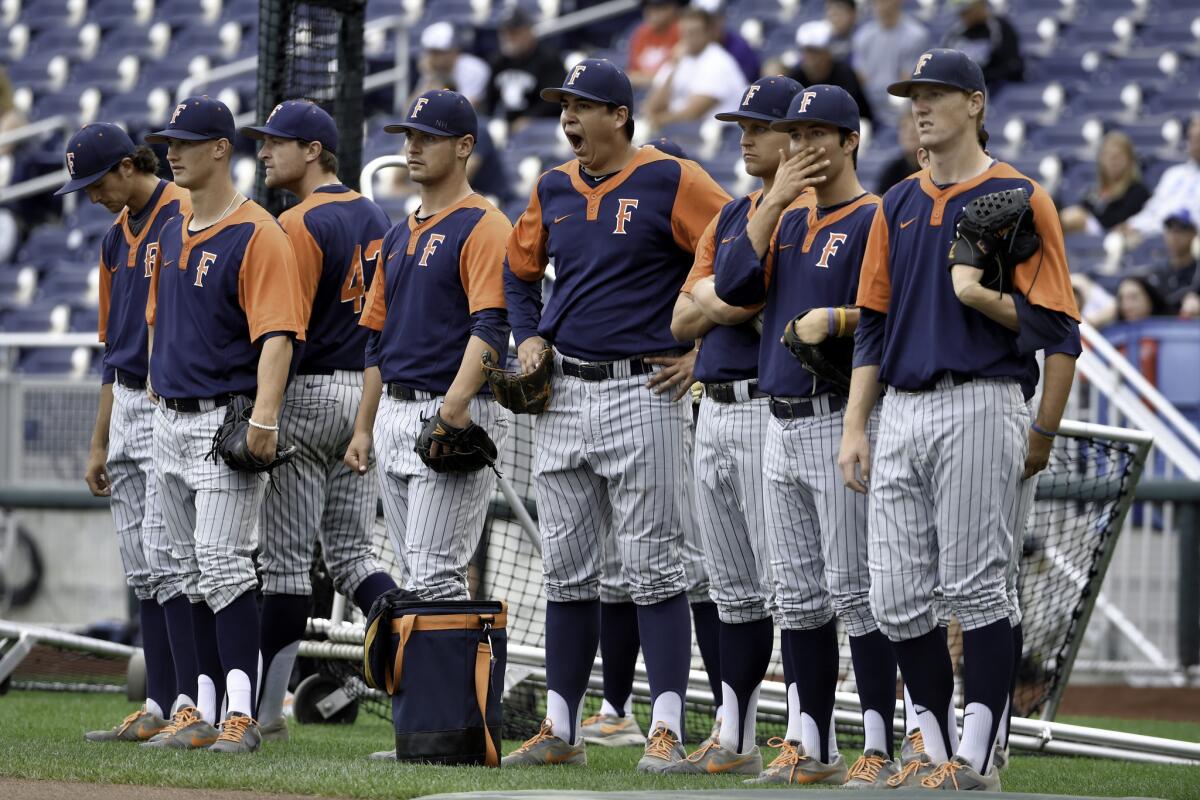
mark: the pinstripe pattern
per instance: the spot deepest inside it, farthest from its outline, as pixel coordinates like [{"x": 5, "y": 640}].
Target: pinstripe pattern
[
  {"x": 944, "y": 497},
  {"x": 434, "y": 520},
  {"x": 1022, "y": 517},
  {"x": 729, "y": 506},
  {"x": 210, "y": 510},
  {"x": 610, "y": 453},
  {"x": 150, "y": 568},
  {"x": 817, "y": 527},
  {"x": 319, "y": 496}
]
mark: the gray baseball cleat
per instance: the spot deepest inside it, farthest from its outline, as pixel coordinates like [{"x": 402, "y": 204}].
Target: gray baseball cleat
[
  {"x": 544, "y": 748},
  {"x": 239, "y": 734},
  {"x": 712, "y": 759},
  {"x": 139, "y": 726},
  {"x": 957, "y": 775},
  {"x": 274, "y": 731},
  {"x": 871, "y": 771},
  {"x": 662, "y": 750}
]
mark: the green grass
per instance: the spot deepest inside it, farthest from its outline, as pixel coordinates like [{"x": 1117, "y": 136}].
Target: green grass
[{"x": 41, "y": 738}]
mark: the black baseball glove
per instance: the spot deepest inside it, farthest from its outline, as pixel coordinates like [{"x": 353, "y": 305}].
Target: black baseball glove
[
  {"x": 832, "y": 360},
  {"x": 461, "y": 449},
  {"x": 229, "y": 442},
  {"x": 995, "y": 233},
  {"x": 521, "y": 393}
]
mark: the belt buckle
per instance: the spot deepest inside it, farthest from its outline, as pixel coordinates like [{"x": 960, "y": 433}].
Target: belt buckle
[{"x": 590, "y": 371}]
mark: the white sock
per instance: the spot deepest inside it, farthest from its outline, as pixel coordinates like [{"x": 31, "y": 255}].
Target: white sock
[
  {"x": 810, "y": 736},
  {"x": 976, "y": 745},
  {"x": 182, "y": 701},
  {"x": 833, "y": 751},
  {"x": 668, "y": 709},
  {"x": 275, "y": 683},
  {"x": 1002, "y": 732},
  {"x": 629, "y": 706},
  {"x": 794, "y": 732},
  {"x": 931, "y": 731},
  {"x": 719, "y": 715},
  {"x": 206, "y": 699},
  {"x": 238, "y": 693},
  {"x": 911, "y": 723},
  {"x": 152, "y": 707},
  {"x": 952, "y": 728},
  {"x": 606, "y": 708},
  {"x": 876, "y": 731},
  {"x": 730, "y": 736},
  {"x": 562, "y": 720}
]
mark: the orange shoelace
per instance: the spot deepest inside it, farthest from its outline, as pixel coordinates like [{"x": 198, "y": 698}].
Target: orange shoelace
[
  {"x": 867, "y": 768},
  {"x": 125, "y": 723},
  {"x": 661, "y": 743},
  {"x": 789, "y": 756},
  {"x": 699, "y": 754},
  {"x": 233, "y": 728},
  {"x": 918, "y": 741},
  {"x": 593, "y": 719},
  {"x": 544, "y": 733},
  {"x": 906, "y": 772},
  {"x": 183, "y": 717},
  {"x": 939, "y": 776}
]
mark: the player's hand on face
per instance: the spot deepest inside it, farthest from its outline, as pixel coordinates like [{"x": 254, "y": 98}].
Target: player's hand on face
[
  {"x": 854, "y": 459},
  {"x": 529, "y": 352},
  {"x": 1038, "y": 456},
  {"x": 358, "y": 453},
  {"x": 677, "y": 372},
  {"x": 97, "y": 474},
  {"x": 812, "y": 328},
  {"x": 965, "y": 279},
  {"x": 796, "y": 173},
  {"x": 262, "y": 443}
]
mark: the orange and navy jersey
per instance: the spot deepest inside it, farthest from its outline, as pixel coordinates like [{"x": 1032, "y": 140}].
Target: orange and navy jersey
[
  {"x": 216, "y": 293},
  {"x": 621, "y": 248},
  {"x": 927, "y": 331},
  {"x": 438, "y": 284},
  {"x": 126, "y": 264},
  {"x": 337, "y": 235},
  {"x": 727, "y": 352}
]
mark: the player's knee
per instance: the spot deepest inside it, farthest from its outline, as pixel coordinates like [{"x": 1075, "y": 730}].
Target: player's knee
[
  {"x": 276, "y": 582},
  {"x": 558, "y": 591},
  {"x": 915, "y": 617},
  {"x": 854, "y": 610}
]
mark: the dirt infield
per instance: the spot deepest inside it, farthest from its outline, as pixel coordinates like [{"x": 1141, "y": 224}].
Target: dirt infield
[
  {"x": 1175, "y": 705},
  {"x": 61, "y": 790}
]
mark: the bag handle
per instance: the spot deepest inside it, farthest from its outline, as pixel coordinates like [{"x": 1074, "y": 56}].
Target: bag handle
[
  {"x": 483, "y": 662},
  {"x": 406, "y": 624}
]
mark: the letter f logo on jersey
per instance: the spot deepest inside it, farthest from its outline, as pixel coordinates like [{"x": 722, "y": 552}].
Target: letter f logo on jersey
[
  {"x": 431, "y": 246},
  {"x": 831, "y": 248},
  {"x": 624, "y": 214},
  {"x": 207, "y": 259}
]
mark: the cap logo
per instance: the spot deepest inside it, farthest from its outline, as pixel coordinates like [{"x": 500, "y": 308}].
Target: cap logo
[
  {"x": 921, "y": 62},
  {"x": 417, "y": 106},
  {"x": 575, "y": 73},
  {"x": 71, "y": 163},
  {"x": 753, "y": 90},
  {"x": 805, "y": 99},
  {"x": 178, "y": 110},
  {"x": 274, "y": 111}
]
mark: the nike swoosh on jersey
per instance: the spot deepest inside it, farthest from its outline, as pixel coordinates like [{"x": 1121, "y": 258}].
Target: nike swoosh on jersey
[
  {"x": 906, "y": 223},
  {"x": 786, "y": 246},
  {"x": 727, "y": 241},
  {"x": 168, "y": 263},
  {"x": 391, "y": 254},
  {"x": 560, "y": 219}
]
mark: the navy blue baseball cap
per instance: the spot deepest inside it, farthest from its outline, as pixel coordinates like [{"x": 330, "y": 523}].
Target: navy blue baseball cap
[
  {"x": 594, "y": 79},
  {"x": 197, "y": 119},
  {"x": 439, "y": 112},
  {"x": 92, "y": 152},
  {"x": 944, "y": 67},
  {"x": 832, "y": 105},
  {"x": 298, "y": 119},
  {"x": 669, "y": 147},
  {"x": 765, "y": 100}
]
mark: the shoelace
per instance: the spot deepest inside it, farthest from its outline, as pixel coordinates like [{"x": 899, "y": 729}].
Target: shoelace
[
  {"x": 789, "y": 756},
  {"x": 867, "y": 768},
  {"x": 906, "y": 772},
  {"x": 544, "y": 733},
  {"x": 947, "y": 769},
  {"x": 918, "y": 741},
  {"x": 699, "y": 754},
  {"x": 593, "y": 719},
  {"x": 233, "y": 728},
  {"x": 183, "y": 717},
  {"x": 125, "y": 723},
  {"x": 661, "y": 743}
]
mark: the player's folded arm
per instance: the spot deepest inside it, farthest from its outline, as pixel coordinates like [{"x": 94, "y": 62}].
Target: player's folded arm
[
  {"x": 868, "y": 338},
  {"x": 739, "y": 274}
]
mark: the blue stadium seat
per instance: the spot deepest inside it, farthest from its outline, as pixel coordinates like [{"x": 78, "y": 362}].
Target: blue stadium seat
[
  {"x": 133, "y": 39},
  {"x": 1170, "y": 32},
  {"x": 44, "y": 14},
  {"x": 1178, "y": 345},
  {"x": 540, "y": 136},
  {"x": 64, "y": 101},
  {"x": 65, "y": 283},
  {"x": 130, "y": 108},
  {"x": 179, "y": 12},
  {"x": 60, "y": 41},
  {"x": 45, "y": 361},
  {"x": 197, "y": 38},
  {"x": 44, "y": 246},
  {"x": 111, "y": 13},
  {"x": 34, "y": 318},
  {"x": 85, "y": 320},
  {"x": 101, "y": 72}
]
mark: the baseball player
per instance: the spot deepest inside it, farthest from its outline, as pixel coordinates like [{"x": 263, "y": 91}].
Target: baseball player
[
  {"x": 622, "y": 225},
  {"x": 954, "y": 429},
  {"x": 225, "y": 306},
  {"x": 103, "y": 161},
  {"x": 337, "y": 235},
  {"x": 435, "y": 306}
]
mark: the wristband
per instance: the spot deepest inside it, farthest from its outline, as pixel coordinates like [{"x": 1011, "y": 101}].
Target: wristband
[
  {"x": 832, "y": 318},
  {"x": 841, "y": 321},
  {"x": 262, "y": 427},
  {"x": 1040, "y": 431}
]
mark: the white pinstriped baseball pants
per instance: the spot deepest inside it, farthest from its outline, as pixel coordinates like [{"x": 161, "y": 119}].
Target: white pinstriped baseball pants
[
  {"x": 211, "y": 511},
  {"x": 1022, "y": 519},
  {"x": 945, "y": 491},
  {"x": 434, "y": 520},
  {"x": 318, "y": 495}
]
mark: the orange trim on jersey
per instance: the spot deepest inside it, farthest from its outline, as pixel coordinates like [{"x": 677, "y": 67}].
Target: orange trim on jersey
[
  {"x": 269, "y": 283},
  {"x": 170, "y": 192},
  {"x": 375, "y": 309},
  {"x": 706, "y": 253},
  {"x": 874, "y": 281},
  {"x": 940, "y": 197},
  {"x": 698, "y": 199},
  {"x": 152, "y": 292},
  {"x": 310, "y": 259},
  {"x": 806, "y": 199},
  {"x": 481, "y": 264},
  {"x": 1045, "y": 279},
  {"x": 526, "y": 246},
  {"x": 415, "y": 229},
  {"x": 105, "y": 294},
  {"x": 815, "y": 224},
  {"x": 594, "y": 194}
]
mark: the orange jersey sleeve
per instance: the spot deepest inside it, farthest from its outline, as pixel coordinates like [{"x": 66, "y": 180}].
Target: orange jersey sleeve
[
  {"x": 698, "y": 200},
  {"x": 269, "y": 284},
  {"x": 1044, "y": 279},
  {"x": 481, "y": 265},
  {"x": 375, "y": 310},
  {"x": 526, "y": 247},
  {"x": 105, "y": 295},
  {"x": 874, "y": 282},
  {"x": 706, "y": 251},
  {"x": 152, "y": 292},
  {"x": 310, "y": 260}
]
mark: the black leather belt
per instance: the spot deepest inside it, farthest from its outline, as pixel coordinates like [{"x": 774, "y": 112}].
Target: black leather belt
[
  {"x": 799, "y": 409},
  {"x": 398, "y": 391},
  {"x": 194, "y": 405},
  {"x": 956, "y": 378},
  {"x": 314, "y": 371},
  {"x": 727, "y": 393},
  {"x": 604, "y": 370},
  {"x": 130, "y": 381}
]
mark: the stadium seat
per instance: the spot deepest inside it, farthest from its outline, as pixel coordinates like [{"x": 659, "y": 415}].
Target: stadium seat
[
  {"x": 45, "y": 14},
  {"x": 85, "y": 320},
  {"x": 111, "y": 13},
  {"x": 131, "y": 39},
  {"x": 64, "y": 283},
  {"x": 34, "y": 318}
]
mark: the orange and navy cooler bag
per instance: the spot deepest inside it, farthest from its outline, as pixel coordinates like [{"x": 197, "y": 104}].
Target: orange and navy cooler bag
[{"x": 442, "y": 662}]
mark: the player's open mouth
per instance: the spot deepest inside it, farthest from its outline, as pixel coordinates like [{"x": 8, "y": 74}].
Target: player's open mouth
[{"x": 576, "y": 141}]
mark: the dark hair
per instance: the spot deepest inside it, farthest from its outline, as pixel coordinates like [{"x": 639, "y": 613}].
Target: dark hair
[
  {"x": 1158, "y": 304},
  {"x": 698, "y": 13},
  {"x": 328, "y": 161},
  {"x": 843, "y": 135},
  {"x": 848, "y": 3},
  {"x": 143, "y": 158},
  {"x": 612, "y": 107}
]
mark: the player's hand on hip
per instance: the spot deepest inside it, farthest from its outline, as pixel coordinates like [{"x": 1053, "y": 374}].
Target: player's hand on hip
[
  {"x": 262, "y": 443},
  {"x": 529, "y": 352},
  {"x": 1039, "y": 454},
  {"x": 150, "y": 395},
  {"x": 678, "y": 373},
  {"x": 854, "y": 459},
  {"x": 813, "y": 327},
  {"x": 358, "y": 453},
  {"x": 798, "y": 172},
  {"x": 97, "y": 473}
]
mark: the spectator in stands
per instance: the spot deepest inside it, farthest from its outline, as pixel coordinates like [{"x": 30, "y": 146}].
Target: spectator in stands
[
  {"x": 1137, "y": 299},
  {"x": 842, "y": 15},
  {"x": 443, "y": 65},
  {"x": 817, "y": 65},
  {"x": 1118, "y": 194},
  {"x": 733, "y": 42},
  {"x": 520, "y": 70},
  {"x": 700, "y": 77},
  {"x": 1179, "y": 187},
  {"x": 989, "y": 39},
  {"x": 885, "y": 49},
  {"x": 653, "y": 41},
  {"x": 906, "y": 162},
  {"x": 1179, "y": 279},
  {"x": 486, "y": 170}
]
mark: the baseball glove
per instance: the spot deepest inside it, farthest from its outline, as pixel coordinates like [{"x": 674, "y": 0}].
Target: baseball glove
[
  {"x": 521, "y": 393},
  {"x": 229, "y": 441},
  {"x": 832, "y": 360},
  {"x": 462, "y": 449},
  {"x": 995, "y": 233}
]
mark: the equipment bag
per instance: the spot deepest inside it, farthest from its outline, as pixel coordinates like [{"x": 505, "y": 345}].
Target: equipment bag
[{"x": 443, "y": 663}]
